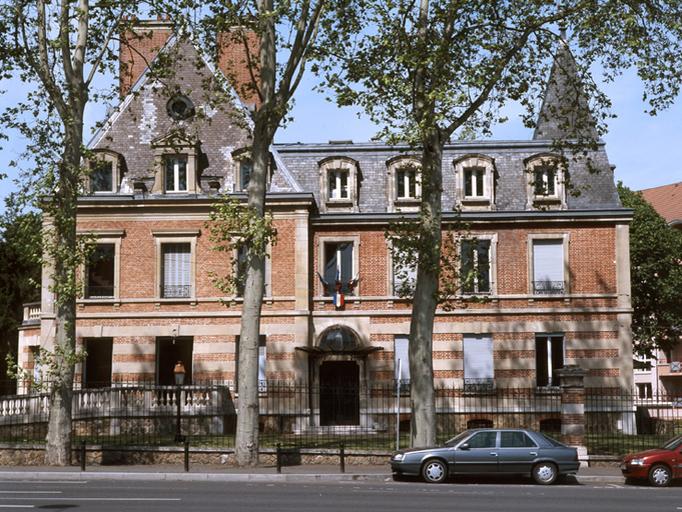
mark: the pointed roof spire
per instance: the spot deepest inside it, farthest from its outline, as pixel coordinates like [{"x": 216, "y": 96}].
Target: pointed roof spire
[{"x": 565, "y": 112}]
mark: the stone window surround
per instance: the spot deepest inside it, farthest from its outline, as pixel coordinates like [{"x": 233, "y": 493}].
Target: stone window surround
[
  {"x": 565, "y": 238},
  {"x": 166, "y": 147},
  {"x": 390, "y": 282},
  {"x": 475, "y": 161},
  {"x": 106, "y": 155},
  {"x": 556, "y": 201},
  {"x": 492, "y": 237},
  {"x": 404, "y": 204},
  {"x": 332, "y": 163},
  {"x": 321, "y": 242},
  {"x": 175, "y": 236},
  {"x": 106, "y": 237},
  {"x": 239, "y": 155}
]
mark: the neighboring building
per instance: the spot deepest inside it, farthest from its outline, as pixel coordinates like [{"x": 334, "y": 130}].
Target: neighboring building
[
  {"x": 662, "y": 375},
  {"x": 553, "y": 267}
]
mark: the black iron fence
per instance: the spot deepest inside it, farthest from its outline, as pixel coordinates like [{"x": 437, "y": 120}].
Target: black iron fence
[{"x": 294, "y": 415}]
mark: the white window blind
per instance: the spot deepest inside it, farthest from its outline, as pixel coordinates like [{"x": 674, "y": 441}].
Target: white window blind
[
  {"x": 401, "y": 358},
  {"x": 548, "y": 260},
  {"x": 478, "y": 356},
  {"x": 262, "y": 357},
  {"x": 176, "y": 269}
]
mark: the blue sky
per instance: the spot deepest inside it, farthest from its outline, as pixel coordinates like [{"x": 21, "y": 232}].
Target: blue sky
[{"x": 647, "y": 151}]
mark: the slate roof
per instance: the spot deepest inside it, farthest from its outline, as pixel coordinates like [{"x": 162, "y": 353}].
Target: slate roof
[{"x": 597, "y": 189}]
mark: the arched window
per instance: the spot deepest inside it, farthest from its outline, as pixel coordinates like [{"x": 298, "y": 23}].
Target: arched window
[
  {"x": 338, "y": 339},
  {"x": 338, "y": 184},
  {"x": 545, "y": 175},
  {"x": 404, "y": 183}
]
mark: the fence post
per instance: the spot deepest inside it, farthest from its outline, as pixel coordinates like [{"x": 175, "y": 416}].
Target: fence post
[
  {"x": 82, "y": 455},
  {"x": 278, "y": 456},
  {"x": 342, "y": 456},
  {"x": 572, "y": 379},
  {"x": 186, "y": 455}
]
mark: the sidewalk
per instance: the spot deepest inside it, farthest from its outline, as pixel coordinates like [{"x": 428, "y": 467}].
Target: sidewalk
[{"x": 204, "y": 472}]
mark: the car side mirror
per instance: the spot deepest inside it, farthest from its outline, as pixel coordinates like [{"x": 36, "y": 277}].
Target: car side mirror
[{"x": 464, "y": 446}]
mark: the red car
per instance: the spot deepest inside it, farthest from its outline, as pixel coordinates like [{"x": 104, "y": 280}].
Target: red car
[{"x": 659, "y": 465}]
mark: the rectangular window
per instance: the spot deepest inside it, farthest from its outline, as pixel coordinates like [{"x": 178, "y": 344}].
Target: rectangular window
[
  {"x": 338, "y": 184},
  {"x": 474, "y": 182},
  {"x": 479, "y": 372},
  {"x": 245, "y": 168},
  {"x": 97, "y": 369},
  {"x": 102, "y": 177},
  {"x": 545, "y": 181},
  {"x": 176, "y": 271},
  {"x": 240, "y": 270},
  {"x": 338, "y": 266},
  {"x": 475, "y": 266},
  {"x": 404, "y": 279},
  {"x": 262, "y": 362},
  {"x": 101, "y": 272},
  {"x": 176, "y": 173},
  {"x": 401, "y": 359},
  {"x": 549, "y": 357},
  {"x": 169, "y": 352},
  {"x": 406, "y": 184},
  {"x": 548, "y": 267},
  {"x": 644, "y": 390}
]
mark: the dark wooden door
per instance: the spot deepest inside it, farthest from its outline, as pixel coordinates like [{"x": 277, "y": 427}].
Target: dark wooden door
[{"x": 339, "y": 393}]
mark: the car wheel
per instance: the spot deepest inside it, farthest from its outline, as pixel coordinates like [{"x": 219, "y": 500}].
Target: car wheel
[
  {"x": 659, "y": 475},
  {"x": 545, "y": 473},
  {"x": 434, "y": 471}
]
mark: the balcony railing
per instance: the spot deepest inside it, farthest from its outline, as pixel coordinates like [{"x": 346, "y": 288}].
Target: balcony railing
[
  {"x": 549, "y": 287},
  {"x": 31, "y": 313},
  {"x": 176, "y": 291},
  {"x": 479, "y": 385},
  {"x": 99, "y": 292}
]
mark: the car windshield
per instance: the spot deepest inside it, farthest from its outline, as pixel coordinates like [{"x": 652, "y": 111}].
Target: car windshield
[
  {"x": 457, "y": 438},
  {"x": 673, "y": 443}
]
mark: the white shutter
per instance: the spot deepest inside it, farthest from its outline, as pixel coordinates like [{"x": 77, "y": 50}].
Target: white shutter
[
  {"x": 401, "y": 357},
  {"x": 176, "y": 264},
  {"x": 478, "y": 356},
  {"x": 548, "y": 260}
]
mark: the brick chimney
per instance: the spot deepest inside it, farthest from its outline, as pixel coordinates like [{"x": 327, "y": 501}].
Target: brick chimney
[
  {"x": 234, "y": 59},
  {"x": 139, "y": 45}
]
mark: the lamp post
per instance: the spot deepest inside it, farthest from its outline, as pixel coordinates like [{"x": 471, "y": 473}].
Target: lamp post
[{"x": 179, "y": 373}]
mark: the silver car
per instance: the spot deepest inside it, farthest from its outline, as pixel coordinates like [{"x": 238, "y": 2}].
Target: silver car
[{"x": 491, "y": 452}]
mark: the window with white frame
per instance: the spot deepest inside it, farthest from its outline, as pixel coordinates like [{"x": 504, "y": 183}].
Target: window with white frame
[
  {"x": 176, "y": 272},
  {"x": 101, "y": 272},
  {"x": 262, "y": 362},
  {"x": 102, "y": 176},
  {"x": 475, "y": 266},
  {"x": 548, "y": 267},
  {"x": 338, "y": 184},
  {"x": 401, "y": 360},
  {"x": 404, "y": 278},
  {"x": 245, "y": 169},
  {"x": 474, "y": 183},
  {"x": 545, "y": 181},
  {"x": 338, "y": 266},
  {"x": 407, "y": 184},
  {"x": 549, "y": 357},
  {"x": 479, "y": 371},
  {"x": 176, "y": 173}
]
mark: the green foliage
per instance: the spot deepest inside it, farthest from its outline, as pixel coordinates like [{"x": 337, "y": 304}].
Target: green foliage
[
  {"x": 656, "y": 273},
  {"x": 234, "y": 227}
]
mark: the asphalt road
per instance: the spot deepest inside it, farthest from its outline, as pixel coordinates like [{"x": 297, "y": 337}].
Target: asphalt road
[{"x": 164, "y": 496}]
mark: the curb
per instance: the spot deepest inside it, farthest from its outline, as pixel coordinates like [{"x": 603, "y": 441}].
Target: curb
[{"x": 238, "y": 477}]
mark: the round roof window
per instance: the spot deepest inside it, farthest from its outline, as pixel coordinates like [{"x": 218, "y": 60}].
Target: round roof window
[{"x": 180, "y": 107}]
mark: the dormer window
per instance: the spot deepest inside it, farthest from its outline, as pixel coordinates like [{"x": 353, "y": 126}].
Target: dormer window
[
  {"x": 176, "y": 158},
  {"x": 102, "y": 177},
  {"x": 105, "y": 170},
  {"x": 474, "y": 181},
  {"x": 407, "y": 185},
  {"x": 545, "y": 182},
  {"x": 338, "y": 184},
  {"x": 404, "y": 184},
  {"x": 176, "y": 173},
  {"x": 245, "y": 169}
]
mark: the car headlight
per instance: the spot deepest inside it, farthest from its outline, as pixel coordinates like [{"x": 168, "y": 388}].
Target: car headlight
[
  {"x": 637, "y": 462},
  {"x": 398, "y": 457}
]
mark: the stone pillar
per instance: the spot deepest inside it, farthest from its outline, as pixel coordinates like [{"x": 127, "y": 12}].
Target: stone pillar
[{"x": 573, "y": 407}]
